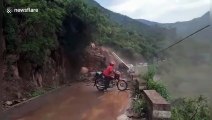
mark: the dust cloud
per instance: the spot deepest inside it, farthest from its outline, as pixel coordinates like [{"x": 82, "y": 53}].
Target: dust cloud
[
  {"x": 127, "y": 55},
  {"x": 187, "y": 71}
]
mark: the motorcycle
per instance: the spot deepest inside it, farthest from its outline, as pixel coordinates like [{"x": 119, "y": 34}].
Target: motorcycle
[{"x": 99, "y": 81}]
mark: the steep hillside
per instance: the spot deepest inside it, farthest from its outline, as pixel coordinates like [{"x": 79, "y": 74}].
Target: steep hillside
[
  {"x": 143, "y": 29},
  {"x": 44, "y": 50},
  {"x": 41, "y": 51},
  {"x": 134, "y": 35}
]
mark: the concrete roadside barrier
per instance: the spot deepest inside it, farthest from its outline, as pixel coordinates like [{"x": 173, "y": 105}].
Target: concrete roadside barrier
[{"x": 158, "y": 107}]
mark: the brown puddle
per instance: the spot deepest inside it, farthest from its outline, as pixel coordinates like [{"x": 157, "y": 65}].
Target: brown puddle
[{"x": 81, "y": 102}]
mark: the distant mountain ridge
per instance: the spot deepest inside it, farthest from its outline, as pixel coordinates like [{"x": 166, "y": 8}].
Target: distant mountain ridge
[
  {"x": 185, "y": 28},
  {"x": 147, "y": 22}
]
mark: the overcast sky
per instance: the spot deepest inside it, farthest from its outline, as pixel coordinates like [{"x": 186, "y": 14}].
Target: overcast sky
[{"x": 164, "y": 11}]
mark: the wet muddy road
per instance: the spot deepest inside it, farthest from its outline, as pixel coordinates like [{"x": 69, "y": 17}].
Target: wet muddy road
[{"x": 81, "y": 102}]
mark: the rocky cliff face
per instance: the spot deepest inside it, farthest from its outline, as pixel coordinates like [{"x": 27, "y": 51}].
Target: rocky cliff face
[
  {"x": 40, "y": 55},
  {"x": 20, "y": 78},
  {"x": 2, "y": 48}
]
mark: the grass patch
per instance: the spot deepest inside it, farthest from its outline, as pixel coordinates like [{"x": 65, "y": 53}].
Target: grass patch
[{"x": 37, "y": 92}]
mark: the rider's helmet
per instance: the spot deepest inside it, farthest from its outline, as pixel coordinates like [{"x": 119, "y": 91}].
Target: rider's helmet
[{"x": 112, "y": 63}]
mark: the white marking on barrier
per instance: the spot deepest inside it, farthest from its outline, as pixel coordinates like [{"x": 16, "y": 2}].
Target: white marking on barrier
[{"x": 161, "y": 114}]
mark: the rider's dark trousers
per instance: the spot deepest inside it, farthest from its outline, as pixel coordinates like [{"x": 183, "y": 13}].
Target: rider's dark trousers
[{"x": 107, "y": 81}]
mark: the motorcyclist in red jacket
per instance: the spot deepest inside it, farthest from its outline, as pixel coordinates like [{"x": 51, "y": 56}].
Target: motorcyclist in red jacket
[{"x": 108, "y": 72}]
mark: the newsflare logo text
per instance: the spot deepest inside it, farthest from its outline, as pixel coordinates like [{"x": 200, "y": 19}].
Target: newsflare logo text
[{"x": 21, "y": 10}]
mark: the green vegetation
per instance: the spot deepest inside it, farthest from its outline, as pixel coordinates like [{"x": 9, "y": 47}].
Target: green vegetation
[
  {"x": 129, "y": 35},
  {"x": 33, "y": 35},
  {"x": 61, "y": 30},
  {"x": 191, "y": 109},
  {"x": 155, "y": 85},
  {"x": 81, "y": 25},
  {"x": 139, "y": 106},
  {"x": 37, "y": 93},
  {"x": 159, "y": 87},
  {"x": 182, "y": 108},
  {"x": 73, "y": 24},
  {"x": 67, "y": 27}
]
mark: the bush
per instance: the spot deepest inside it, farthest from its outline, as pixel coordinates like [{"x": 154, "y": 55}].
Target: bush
[
  {"x": 155, "y": 85},
  {"x": 191, "y": 109},
  {"x": 159, "y": 87},
  {"x": 139, "y": 106}
]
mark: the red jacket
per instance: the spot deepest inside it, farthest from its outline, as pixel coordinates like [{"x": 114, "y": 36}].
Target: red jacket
[{"x": 108, "y": 71}]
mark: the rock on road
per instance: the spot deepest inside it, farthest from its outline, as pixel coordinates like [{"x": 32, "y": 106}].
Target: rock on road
[{"x": 80, "y": 102}]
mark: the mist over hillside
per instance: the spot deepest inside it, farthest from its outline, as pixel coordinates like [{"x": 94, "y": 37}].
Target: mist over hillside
[{"x": 187, "y": 71}]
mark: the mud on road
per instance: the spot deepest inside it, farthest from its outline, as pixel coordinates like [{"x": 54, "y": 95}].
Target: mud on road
[{"x": 78, "y": 102}]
